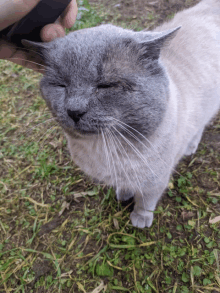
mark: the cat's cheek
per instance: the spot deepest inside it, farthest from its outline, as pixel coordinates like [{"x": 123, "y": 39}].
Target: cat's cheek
[
  {"x": 116, "y": 113},
  {"x": 52, "y": 106}
]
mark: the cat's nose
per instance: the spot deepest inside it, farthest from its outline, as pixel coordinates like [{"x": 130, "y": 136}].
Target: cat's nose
[{"x": 75, "y": 115}]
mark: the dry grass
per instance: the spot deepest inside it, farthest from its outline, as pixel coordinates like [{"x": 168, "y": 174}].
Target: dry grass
[{"x": 61, "y": 233}]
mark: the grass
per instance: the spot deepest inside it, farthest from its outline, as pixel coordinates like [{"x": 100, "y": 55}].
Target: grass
[{"x": 62, "y": 233}]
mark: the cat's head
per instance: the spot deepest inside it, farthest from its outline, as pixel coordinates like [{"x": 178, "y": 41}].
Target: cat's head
[{"x": 105, "y": 77}]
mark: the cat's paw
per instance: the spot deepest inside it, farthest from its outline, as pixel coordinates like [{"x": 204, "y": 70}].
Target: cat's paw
[
  {"x": 141, "y": 221},
  {"x": 124, "y": 195},
  {"x": 191, "y": 149}
]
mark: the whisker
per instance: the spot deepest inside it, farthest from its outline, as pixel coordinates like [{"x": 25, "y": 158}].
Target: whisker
[
  {"x": 26, "y": 60},
  {"x": 47, "y": 135},
  {"x": 118, "y": 188},
  {"x": 117, "y": 144},
  {"x": 135, "y": 173},
  {"x": 32, "y": 128},
  {"x": 106, "y": 153},
  {"x": 46, "y": 132},
  {"x": 134, "y": 136},
  {"x": 113, "y": 144},
  {"x": 150, "y": 143},
  {"x": 26, "y": 50},
  {"x": 136, "y": 151},
  {"x": 113, "y": 163}
]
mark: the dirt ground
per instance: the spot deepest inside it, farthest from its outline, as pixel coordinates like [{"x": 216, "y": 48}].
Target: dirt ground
[
  {"x": 82, "y": 231},
  {"x": 147, "y": 14}
]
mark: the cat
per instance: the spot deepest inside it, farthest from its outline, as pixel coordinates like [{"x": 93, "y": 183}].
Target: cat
[{"x": 132, "y": 104}]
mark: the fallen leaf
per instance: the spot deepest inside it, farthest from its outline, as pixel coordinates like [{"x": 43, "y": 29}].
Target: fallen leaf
[
  {"x": 80, "y": 286},
  {"x": 100, "y": 288},
  {"x": 214, "y": 220},
  {"x": 53, "y": 144},
  {"x": 115, "y": 221},
  {"x": 192, "y": 223},
  {"x": 186, "y": 215},
  {"x": 80, "y": 194},
  {"x": 170, "y": 185},
  {"x": 37, "y": 203},
  {"x": 89, "y": 193},
  {"x": 65, "y": 205}
]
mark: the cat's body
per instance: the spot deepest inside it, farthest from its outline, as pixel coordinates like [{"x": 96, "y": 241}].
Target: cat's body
[{"x": 138, "y": 110}]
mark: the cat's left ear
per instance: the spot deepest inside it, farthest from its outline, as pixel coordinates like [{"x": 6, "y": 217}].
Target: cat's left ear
[
  {"x": 151, "y": 49},
  {"x": 37, "y": 50}
]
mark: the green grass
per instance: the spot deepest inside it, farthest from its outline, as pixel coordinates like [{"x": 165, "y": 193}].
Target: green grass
[
  {"x": 61, "y": 233},
  {"x": 87, "y": 16}
]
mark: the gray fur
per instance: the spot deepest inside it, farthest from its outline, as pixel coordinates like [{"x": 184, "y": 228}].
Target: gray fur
[{"x": 163, "y": 87}]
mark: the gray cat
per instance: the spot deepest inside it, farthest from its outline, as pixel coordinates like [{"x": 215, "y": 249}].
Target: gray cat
[{"x": 132, "y": 104}]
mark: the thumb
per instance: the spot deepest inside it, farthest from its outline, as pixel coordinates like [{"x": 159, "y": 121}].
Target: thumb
[{"x": 13, "y": 10}]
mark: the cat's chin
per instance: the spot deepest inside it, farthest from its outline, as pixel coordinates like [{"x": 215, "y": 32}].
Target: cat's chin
[{"x": 78, "y": 133}]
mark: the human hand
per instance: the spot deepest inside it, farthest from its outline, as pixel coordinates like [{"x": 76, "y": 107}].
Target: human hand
[{"x": 12, "y": 11}]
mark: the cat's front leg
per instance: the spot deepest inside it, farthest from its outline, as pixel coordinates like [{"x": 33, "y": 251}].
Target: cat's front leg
[
  {"x": 145, "y": 204},
  {"x": 193, "y": 145},
  {"x": 124, "y": 194},
  {"x": 142, "y": 215}
]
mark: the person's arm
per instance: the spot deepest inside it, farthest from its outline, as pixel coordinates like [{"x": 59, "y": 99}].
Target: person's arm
[{"x": 12, "y": 11}]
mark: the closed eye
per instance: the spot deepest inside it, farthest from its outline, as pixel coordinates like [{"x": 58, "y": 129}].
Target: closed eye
[
  {"x": 62, "y": 85},
  {"x": 125, "y": 84},
  {"x": 107, "y": 85}
]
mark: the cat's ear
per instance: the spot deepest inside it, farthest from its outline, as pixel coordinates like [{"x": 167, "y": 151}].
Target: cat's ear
[
  {"x": 36, "y": 49},
  {"x": 151, "y": 49}
]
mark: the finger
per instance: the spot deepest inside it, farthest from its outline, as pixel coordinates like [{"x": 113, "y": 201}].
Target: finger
[
  {"x": 13, "y": 10},
  {"x": 68, "y": 17},
  {"x": 51, "y": 32}
]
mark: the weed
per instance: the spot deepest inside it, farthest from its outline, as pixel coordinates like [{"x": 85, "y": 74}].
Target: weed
[{"x": 62, "y": 233}]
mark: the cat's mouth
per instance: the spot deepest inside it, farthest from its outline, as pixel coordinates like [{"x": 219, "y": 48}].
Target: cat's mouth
[
  {"x": 89, "y": 126},
  {"x": 92, "y": 126},
  {"x": 77, "y": 133},
  {"x": 79, "y": 130}
]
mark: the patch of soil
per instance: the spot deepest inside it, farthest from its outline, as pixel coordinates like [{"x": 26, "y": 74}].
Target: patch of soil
[
  {"x": 213, "y": 139},
  {"x": 148, "y": 15},
  {"x": 41, "y": 267},
  {"x": 48, "y": 227}
]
